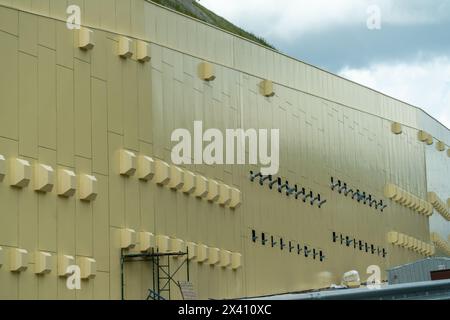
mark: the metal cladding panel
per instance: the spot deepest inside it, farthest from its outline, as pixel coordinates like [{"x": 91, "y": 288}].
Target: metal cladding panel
[
  {"x": 417, "y": 271},
  {"x": 75, "y": 110}
]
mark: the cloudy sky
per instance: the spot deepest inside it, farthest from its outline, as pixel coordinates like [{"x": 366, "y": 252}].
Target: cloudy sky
[{"x": 407, "y": 58}]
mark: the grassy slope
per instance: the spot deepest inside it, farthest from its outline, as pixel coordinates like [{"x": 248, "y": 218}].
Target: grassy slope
[{"x": 196, "y": 10}]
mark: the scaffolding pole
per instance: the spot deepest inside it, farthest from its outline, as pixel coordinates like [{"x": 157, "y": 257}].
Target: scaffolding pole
[{"x": 157, "y": 270}]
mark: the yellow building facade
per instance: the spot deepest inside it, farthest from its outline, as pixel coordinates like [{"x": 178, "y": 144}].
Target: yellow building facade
[{"x": 86, "y": 118}]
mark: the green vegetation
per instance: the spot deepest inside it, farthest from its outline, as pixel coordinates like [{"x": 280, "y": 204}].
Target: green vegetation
[{"x": 193, "y": 9}]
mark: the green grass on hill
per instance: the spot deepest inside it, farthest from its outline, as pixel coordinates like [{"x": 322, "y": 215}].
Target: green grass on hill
[{"x": 193, "y": 9}]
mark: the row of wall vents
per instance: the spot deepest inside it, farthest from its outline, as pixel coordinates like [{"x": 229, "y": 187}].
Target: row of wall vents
[
  {"x": 440, "y": 206},
  {"x": 128, "y": 48},
  {"x": 199, "y": 252},
  {"x": 43, "y": 178},
  {"x": 20, "y": 260},
  {"x": 441, "y": 243},
  {"x": 299, "y": 193},
  {"x": 177, "y": 179},
  {"x": 360, "y": 245},
  {"x": 289, "y": 246},
  {"x": 408, "y": 200},
  {"x": 422, "y": 136},
  {"x": 357, "y": 195},
  {"x": 410, "y": 243}
]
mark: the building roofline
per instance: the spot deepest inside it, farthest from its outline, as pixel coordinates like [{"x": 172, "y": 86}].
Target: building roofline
[
  {"x": 259, "y": 45},
  {"x": 297, "y": 60}
]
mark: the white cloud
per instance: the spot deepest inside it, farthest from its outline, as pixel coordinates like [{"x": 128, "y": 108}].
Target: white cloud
[
  {"x": 287, "y": 19},
  {"x": 425, "y": 84}
]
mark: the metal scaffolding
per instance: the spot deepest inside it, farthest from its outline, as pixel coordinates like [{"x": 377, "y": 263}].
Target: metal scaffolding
[{"x": 161, "y": 274}]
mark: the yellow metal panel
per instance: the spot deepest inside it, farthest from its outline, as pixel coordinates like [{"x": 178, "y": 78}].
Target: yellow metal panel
[
  {"x": 146, "y": 198},
  {"x": 99, "y": 127},
  {"x": 98, "y": 56},
  {"x": 65, "y": 116},
  {"x": 132, "y": 214},
  {"x": 47, "y": 209},
  {"x": 63, "y": 292},
  {"x": 9, "y": 218},
  {"x": 47, "y": 97},
  {"x": 144, "y": 102},
  {"x": 8, "y": 84},
  {"x": 101, "y": 286},
  {"x": 47, "y": 286},
  {"x": 28, "y": 286},
  {"x": 66, "y": 231},
  {"x": 123, "y": 16},
  {"x": 93, "y": 12},
  {"x": 115, "y": 89},
  {"x": 130, "y": 112},
  {"x": 100, "y": 225},
  {"x": 82, "y": 109},
  {"x": 87, "y": 268},
  {"x": 28, "y": 219},
  {"x": 84, "y": 216},
  {"x": 116, "y": 182},
  {"x": 28, "y": 33},
  {"x": 28, "y": 107},
  {"x": 64, "y": 45},
  {"x": 9, "y": 20}
]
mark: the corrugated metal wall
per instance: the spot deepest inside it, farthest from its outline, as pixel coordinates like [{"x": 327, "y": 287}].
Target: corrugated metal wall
[{"x": 417, "y": 271}]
